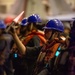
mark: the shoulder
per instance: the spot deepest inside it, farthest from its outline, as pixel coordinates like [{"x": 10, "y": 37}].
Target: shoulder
[
  {"x": 3, "y": 44},
  {"x": 35, "y": 37},
  {"x": 33, "y": 49}
]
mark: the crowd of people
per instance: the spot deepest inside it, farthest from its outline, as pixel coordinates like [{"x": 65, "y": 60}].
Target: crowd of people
[{"x": 27, "y": 50}]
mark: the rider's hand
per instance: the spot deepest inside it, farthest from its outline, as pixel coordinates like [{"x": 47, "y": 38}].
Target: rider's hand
[{"x": 12, "y": 30}]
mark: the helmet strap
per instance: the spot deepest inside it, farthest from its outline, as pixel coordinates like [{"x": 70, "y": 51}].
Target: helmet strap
[
  {"x": 51, "y": 34},
  {"x": 31, "y": 26}
]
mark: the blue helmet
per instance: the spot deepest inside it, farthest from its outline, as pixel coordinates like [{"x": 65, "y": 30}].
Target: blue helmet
[
  {"x": 38, "y": 17},
  {"x": 24, "y": 22},
  {"x": 34, "y": 18},
  {"x": 2, "y": 24},
  {"x": 55, "y": 24}
]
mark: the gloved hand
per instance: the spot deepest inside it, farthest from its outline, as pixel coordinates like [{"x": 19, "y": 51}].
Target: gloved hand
[
  {"x": 12, "y": 31},
  {"x": 2, "y": 59}
]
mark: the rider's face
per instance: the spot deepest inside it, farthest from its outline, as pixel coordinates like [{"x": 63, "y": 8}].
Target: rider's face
[
  {"x": 0, "y": 31},
  {"x": 48, "y": 33}
]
